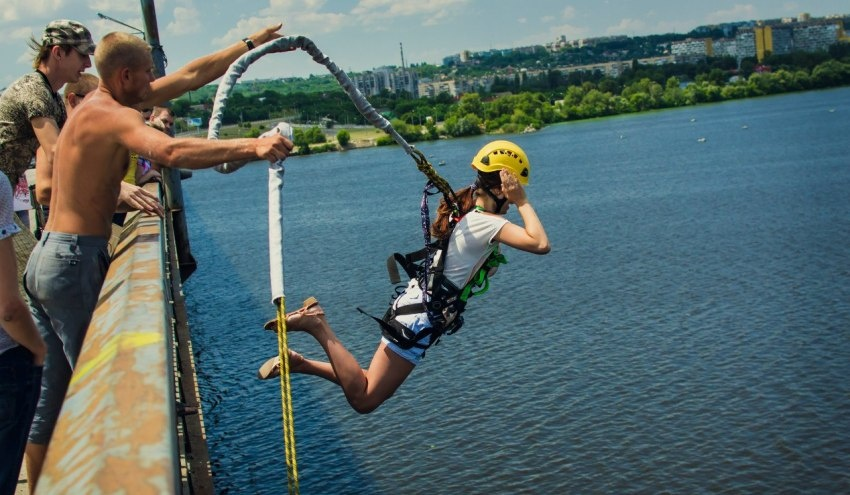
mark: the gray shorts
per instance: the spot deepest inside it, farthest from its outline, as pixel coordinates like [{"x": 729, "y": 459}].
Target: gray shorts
[{"x": 63, "y": 279}]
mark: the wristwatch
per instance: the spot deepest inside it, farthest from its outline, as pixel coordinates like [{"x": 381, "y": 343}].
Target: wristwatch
[{"x": 249, "y": 43}]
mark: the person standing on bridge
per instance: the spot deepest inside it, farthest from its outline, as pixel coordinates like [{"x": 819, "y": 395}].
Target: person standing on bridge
[
  {"x": 22, "y": 353},
  {"x": 68, "y": 265}
]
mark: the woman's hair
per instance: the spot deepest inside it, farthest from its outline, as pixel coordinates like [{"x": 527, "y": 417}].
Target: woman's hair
[{"x": 466, "y": 201}]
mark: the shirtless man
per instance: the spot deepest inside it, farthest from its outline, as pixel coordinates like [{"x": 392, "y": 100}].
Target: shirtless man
[
  {"x": 131, "y": 197},
  {"x": 67, "y": 268}
]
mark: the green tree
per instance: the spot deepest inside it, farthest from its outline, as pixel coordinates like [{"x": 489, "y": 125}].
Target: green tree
[
  {"x": 314, "y": 135},
  {"x": 673, "y": 94},
  {"x": 299, "y": 138},
  {"x": 343, "y": 137},
  {"x": 595, "y": 104},
  {"x": 431, "y": 131},
  {"x": 468, "y": 125},
  {"x": 180, "y": 107},
  {"x": 409, "y": 132},
  {"x": 831, "y": 73},
  {"x": 470, "y": 103}
]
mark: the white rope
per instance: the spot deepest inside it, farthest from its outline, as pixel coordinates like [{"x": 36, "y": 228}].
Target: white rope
[{"x": 276, "y": 171}]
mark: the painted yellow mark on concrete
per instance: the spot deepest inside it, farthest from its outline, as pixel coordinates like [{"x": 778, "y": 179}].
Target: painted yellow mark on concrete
[{"x": 125, "y": 341}]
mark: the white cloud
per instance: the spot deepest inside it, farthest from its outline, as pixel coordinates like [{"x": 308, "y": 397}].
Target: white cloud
[
  {"x": 738, "y": 12},
  {"x": 104, "y": 26},
  {"x": 568, "y": 31},
  {"x": 109, "y": 7},
  {"x": 792, "y": 7},
  {"x": 13, "y": 10},
  {"x": 304, "y": 16},
  {"x": 186, "y": 21},
  {"x": 663, "y": 27},
  {"x": 17, "y": 36},
  {"x": 370, "y": 12},
  {"x": 316, "y": 22},
  {"x": 639, "y": 27},
  {"x": 285, "y": 7},
  {"x": 569, "y": 12},
  {"x": 319, "y": 16},
  {"x": 629, "y": 27}
]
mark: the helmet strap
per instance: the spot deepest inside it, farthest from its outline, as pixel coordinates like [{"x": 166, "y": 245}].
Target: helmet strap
[{"x": 499, "y": 202}]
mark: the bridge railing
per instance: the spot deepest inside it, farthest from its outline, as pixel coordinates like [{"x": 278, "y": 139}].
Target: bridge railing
[{"x": 120, "y": 422}]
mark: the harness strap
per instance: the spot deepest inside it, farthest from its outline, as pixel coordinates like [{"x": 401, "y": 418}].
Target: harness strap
[
  {"x": 410, "y": 309},
  {"x": 407, "y": 262},
  {"x": 481, "y": 279},
  {"x": 402, "y": 336}
]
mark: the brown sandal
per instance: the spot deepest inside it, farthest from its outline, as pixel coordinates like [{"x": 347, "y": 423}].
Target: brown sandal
[
  {"x": 310, "y": 307},
  {"x": 271, "y": 368}
]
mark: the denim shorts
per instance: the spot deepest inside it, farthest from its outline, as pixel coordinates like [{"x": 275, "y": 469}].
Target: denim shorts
[
  {"x": 63, "y": 279},
  {"x": 20, "y": 384}
]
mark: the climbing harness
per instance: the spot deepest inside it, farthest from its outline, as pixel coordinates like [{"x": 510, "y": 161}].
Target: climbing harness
[
  {"x": 276, "y": 171},
  {"x": 442, "y": 300}
]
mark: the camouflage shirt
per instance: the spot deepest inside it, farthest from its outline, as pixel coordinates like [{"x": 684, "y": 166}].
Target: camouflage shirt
[{"x": 27, "y": 98}]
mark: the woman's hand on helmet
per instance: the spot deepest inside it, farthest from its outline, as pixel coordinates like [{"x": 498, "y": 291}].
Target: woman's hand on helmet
[{"x": 511, "y": 187}]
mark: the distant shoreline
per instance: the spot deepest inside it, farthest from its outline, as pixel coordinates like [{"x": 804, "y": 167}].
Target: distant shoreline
[{"x": 366, "y": 136}]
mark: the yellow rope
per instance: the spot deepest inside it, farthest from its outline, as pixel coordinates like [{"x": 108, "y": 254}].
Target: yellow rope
[{"x": 286, "y": 400}]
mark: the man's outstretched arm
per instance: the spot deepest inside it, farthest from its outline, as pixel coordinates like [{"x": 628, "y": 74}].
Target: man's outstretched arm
[{"x": 204, "y": 70}]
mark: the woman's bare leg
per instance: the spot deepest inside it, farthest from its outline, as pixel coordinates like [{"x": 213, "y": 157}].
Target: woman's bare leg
[
  {"x": 365, "y": 390},
  {"x": 322, "y": 369},
  {"x": 297, "y": 364}
]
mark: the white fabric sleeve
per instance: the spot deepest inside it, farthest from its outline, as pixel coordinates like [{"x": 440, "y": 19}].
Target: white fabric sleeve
[{"x": 8, "y": 227}]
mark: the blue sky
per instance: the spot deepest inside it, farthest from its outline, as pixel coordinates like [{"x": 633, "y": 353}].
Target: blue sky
[{"x": 362, "y": 34}]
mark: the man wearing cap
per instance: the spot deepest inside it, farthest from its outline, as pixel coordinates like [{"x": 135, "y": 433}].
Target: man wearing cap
[
  {"x": 90, "y": 161},
  {"x": 32, "y": 112}
]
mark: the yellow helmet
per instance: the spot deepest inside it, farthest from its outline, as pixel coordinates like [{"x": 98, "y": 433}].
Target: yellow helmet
[{"x": 498, "y": 155}]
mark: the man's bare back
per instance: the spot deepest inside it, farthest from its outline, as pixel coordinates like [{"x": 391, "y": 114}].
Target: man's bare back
[{"x": 91, "y": 153}]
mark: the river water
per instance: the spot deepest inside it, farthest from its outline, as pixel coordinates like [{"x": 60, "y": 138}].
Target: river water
[{"x": 689, "y": 332}]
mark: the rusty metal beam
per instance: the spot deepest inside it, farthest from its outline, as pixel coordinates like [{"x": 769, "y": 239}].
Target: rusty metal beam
[{"x": 197, "y": 473}]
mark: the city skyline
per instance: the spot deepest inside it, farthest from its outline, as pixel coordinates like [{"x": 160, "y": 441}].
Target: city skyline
[{"x": 361, "y": 35}]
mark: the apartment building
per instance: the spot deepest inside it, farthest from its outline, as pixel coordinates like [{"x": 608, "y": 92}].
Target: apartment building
[{"x": 392, "y": 79}]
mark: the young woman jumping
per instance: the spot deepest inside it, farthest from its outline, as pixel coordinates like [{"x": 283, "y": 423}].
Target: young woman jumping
[{"x": 502, "y": 170}]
